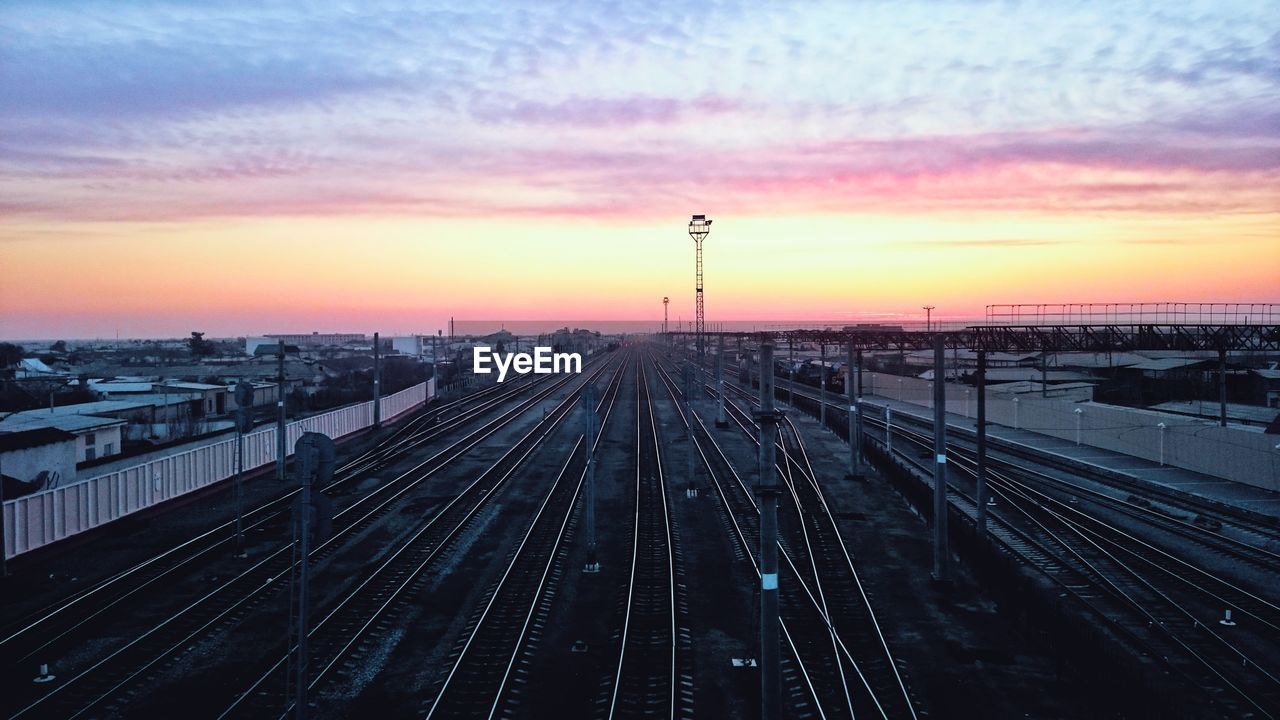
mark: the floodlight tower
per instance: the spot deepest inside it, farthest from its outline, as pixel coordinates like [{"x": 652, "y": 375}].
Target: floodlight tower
[
  {"x": 699, "y": 228},
  {"x": 928, "y": 315},
  {"x": 665, "y": 302}
]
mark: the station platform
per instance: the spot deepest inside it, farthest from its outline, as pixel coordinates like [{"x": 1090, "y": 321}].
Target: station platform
[{"x": 1226, "y": 492}]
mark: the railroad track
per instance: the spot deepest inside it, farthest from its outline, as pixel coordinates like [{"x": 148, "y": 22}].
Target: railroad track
[
  {"x": 1203, "y": 523},
  {"x": 343, "y": 634},
  {"x": 651, "y": 661},
  {"x": 813, "y": 686},
  {"x": 484, "y": 660},
  {"x": 1165, "y": 606},
  {"x": 97, "y": 684},
  {"x": 873, "y": 685},
  {"x": 34, "y": 637}
]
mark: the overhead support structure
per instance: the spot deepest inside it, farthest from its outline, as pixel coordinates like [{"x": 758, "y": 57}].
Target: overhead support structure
[
  {"x": 853, "y": 392},
  {"x": 1222, "y": 387},
  {"x": 690, "y": 386},
  {"x": 589, "y": 419},
  {"x": 941, "y": 571},
  {"x": 377, "y": 382},
  {"x": 791, "y": 366},
  {"x": 721, "y": 420},
  {"x": 981, "y": 380},
  {"x": 770, "y": 657},
  {"x": 279, "y": 350},
  {"x": 822, "y": 384}
]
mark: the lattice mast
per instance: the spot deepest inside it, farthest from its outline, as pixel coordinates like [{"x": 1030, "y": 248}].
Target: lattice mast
[{"x": 699, "y": 227}]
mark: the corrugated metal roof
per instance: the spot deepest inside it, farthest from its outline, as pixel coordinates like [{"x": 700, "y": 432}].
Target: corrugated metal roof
[
  {"x": 70, "y": 423},
  {"x": 89, "y": 408},
  {"x": 1164, "y": 364},
  {"x": 193, "y": 386}
]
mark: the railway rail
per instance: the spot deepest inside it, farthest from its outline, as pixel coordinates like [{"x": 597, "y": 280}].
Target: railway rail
[
  {"x": 362, "y": 610},
  {"x": 649, "y": 657},
  {"x": 34, "y": 636},
  {"x": 485, "y": 659},
  {"x": 96, "y": 685},
  {"x": 808, "y": 629}
]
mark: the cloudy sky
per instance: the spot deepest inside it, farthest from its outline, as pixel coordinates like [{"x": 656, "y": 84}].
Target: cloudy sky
[{"x": 242, "y": 167}]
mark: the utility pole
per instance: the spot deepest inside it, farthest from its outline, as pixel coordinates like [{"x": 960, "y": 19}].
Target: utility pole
[
  {"x": 4, "y": 558},
  {"x": 282, "y": 447},
  {"x": 589, "y": 416},
  {"x": 770, "y": 673},
  {"x": 377, "y": 383},
  {"x": 822, "y": 384},
  {"x": 940, "y": 552},
  {"x": 853, "y": 393},
  {"x": 791, "y": 376},
  {"x": 244, "y": 423},
  {"x": 721, "y": 420},
  {"x": 690, "y": 491},
  {"x": 316, "y": 459},
  {"x": 982, "y": 443},
  {"x": 1222, "y": 387},
  {"x": 928, "y": 313}
]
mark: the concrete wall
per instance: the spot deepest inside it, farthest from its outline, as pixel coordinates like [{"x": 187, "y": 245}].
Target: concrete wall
[
  {"x": 26, "y": 464},
  {"x": 1231, "y": 453},
  {"x": 45, "y": 517}
]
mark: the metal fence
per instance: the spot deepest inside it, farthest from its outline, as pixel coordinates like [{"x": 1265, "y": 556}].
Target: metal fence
[{"x": 45, "y": 517}]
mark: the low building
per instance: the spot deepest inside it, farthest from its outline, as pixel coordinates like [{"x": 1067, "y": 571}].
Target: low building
[
  {"x": 96, "y": 437},
  {"x": 34, "y": 460},
  {"x": 1267, "y": 386},
  {"x": 264, "y": 393},
  {"x": 213, "y": 398}
]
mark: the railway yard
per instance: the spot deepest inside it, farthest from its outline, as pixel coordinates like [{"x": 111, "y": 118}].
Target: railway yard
[{"x": 457, "y": 577}]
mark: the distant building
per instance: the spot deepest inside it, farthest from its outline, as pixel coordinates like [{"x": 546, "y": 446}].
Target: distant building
[
  {"x": 316, "y": 339},
  {"x": 872, "y": 327}
]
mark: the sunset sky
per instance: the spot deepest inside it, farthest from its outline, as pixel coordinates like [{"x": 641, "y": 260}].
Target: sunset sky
[{"x": 245, "y": 167}]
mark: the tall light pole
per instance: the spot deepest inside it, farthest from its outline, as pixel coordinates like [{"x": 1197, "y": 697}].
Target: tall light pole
[
  {"x": 665, "y": 302},
  {"x": 699, "y": 228},
  {"x": 928, "y": 314}
]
